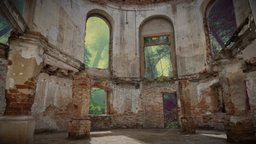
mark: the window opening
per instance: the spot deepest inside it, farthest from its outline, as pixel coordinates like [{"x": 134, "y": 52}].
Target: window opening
[
  {"x": 221, "y": 24},
  {"x": 157, "y": 57},
  {"x": 97, "y": 43},
  {"x": 170, "y": 110},
  {"x": 98, "y": 99}
]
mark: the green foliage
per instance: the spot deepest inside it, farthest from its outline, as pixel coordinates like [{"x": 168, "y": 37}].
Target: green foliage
[
  {"x": 215, "y": 45},
  {"x": 96, "y": 43},
  {"x": 97, "y": 101},
  {"x": 5, "y": 30},
  {"x": 158, "y": 62},
  {"x": 172, "y": 124},
  {"x": 87, "y": 56},
  {"x": 221, "y": 24}
]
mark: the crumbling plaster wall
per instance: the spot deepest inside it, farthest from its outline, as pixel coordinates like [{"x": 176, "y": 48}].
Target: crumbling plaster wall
[
  {"x": 251, "y": 91},
  {"x": 205, "y": 103},
  {"x": 63, "y": 23},
  {"x": 190, "y": 44},
  {"x": 52, "y": 106},
  {"x": 242, "y": 10},
  {"x": 248, "y": 54},
  {"x": 127, "y": 105},
  {"x": 152, "y": 97}
]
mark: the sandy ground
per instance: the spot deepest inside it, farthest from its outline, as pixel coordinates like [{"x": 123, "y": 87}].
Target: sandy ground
[{"x": 136, "y": 136}]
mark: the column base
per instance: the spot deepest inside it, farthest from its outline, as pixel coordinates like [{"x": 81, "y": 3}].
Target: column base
[
  {"x": 188, "y": 125},
  {"x": 79, "y": 129},
  {"x": 239, "y": 129},
  {"x": 17, "y": 129}
]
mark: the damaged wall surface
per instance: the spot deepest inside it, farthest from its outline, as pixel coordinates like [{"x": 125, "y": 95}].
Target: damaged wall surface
[
  {"x": 61, "y": 93},
  {"x": 62, "y": 23},
  {"x": 52, "y": 106},
  {"x": 152, "y": 97},
  {"x": 251, "y": 83},
  {"x": 130, "y": 104},
  {"x": 66, "y": 31},
  {"x": 3, "y": 71}
]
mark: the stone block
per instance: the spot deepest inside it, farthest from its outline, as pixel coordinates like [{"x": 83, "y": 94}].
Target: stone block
[
  {"x": 17, "y": 129},
  {"x": 79, "y": 129}
]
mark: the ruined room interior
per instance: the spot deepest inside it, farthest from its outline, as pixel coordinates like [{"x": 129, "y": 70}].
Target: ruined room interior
[{"x": 127, "y": 71}]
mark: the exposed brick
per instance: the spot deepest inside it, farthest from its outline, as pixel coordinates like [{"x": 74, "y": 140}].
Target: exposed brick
[
  {"x": 101, "y": 122},
  {"x": 79, "y": 129},
  {"x": 17, "y": 102},
  {"x": 188, "y": 124}
]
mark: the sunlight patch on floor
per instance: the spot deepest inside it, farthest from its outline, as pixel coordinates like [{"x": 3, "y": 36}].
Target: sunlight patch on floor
[{"x": 222, "y": 136}]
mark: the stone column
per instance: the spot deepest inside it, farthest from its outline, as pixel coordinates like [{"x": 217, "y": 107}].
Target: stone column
[
  {"x": 187, "y": 122},
  {"x": 80, "y": 125},
  {"x": 238, "y": 121},
  {"x": 25, "y": 61},
  {"x": 3, "y": 70}
]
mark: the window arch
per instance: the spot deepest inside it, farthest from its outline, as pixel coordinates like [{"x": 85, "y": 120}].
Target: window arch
[
  {"x": 157, "y": 49},
  {"x": 97, "y": 42},
  {"x": 221, "y": 23}
]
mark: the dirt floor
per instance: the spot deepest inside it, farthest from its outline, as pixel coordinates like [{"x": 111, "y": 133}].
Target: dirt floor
[{"x": 136, "y": 136}]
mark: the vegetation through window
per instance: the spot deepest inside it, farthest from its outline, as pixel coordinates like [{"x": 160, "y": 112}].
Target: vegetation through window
[
  {"x": 170, "y": 110},
  {"x": 221, "y": 23},
  {"x": 97, "y": 101},
  {"x": 97, "y": 43},
  {"x": 157, "y": 57},
  {"x": 5, "y": 30}
]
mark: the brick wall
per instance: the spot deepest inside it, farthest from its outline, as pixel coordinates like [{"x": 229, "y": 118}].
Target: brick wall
[
  {"x": 81, "y": 94},
  {"x": 18, "y": 102},
  {"x": 152, "y": 95},
  {"x": 101, "y": 122},
  {"x": 53, "y": 107}
]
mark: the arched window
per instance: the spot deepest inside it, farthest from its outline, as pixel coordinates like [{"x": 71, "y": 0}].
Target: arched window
[
  {"x": 5, "y": 30},
  {"x": 157, "y": 49},
  {"x": 97, "y": 39},
  {"x": 98, "y": 101},
  {"x": 221, "y": 23}
]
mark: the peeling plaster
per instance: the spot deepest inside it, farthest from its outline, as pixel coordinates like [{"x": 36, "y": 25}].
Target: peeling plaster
[
  {"x": 202, "y": 86},
  {"x": 32, "y": 52},
  {"x": 10, "y": 83}
]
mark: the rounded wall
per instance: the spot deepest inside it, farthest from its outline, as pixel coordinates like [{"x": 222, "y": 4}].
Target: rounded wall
[{"x": 156, "y": 25}]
